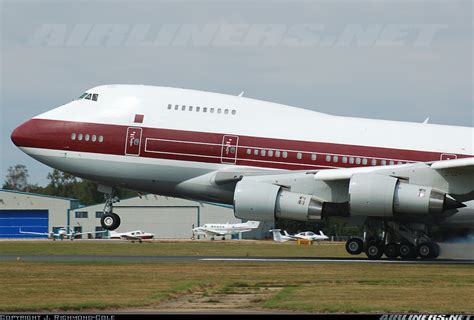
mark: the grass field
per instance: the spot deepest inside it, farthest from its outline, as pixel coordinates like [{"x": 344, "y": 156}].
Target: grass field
[
  {"x": 191, "y": 286},
  {"x": 173, "y": 248}
]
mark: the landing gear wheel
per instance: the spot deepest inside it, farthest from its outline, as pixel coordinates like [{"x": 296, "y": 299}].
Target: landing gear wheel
[
  {"x": 110, "y": 221},
  {"x": 407, "y": 250},
  {"x": 354, "y": 246},
  {"x": 223, "y": 238},
  {"x": 374, "y": 250},
  {"x": 428, "y": 250},
  {"x": 391, "y": 250}
]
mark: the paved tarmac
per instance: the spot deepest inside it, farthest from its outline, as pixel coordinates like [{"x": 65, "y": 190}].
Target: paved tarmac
[{"x": 95, "y": 258}]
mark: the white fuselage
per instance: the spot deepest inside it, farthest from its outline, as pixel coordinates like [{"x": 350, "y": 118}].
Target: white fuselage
[{"x": 151, "y": 139}]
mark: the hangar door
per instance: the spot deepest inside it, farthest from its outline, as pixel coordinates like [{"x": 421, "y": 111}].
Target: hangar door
[
  {"x": 28, "y": 220},
  {"x": 164, "y": 222}
]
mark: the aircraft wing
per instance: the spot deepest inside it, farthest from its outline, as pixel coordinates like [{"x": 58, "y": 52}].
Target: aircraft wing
[
  {"x": 211, "y": 233},
  {"x": 129, "y": 237},
  {"x": 462, "y": 164},
  {"x": 35, "y": 233},
  {"x": 83, "y": 233}
]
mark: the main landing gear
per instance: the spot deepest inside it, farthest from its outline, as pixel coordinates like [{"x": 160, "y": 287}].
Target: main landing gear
[
  {"x": 110, "y": 220},
  {"x": 407, "y": 241}
]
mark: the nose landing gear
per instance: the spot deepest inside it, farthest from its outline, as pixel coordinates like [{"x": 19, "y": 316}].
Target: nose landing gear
[{"x": 110, "y": 220}]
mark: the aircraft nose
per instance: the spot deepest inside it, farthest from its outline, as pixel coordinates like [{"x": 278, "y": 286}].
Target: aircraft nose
[{"x": 22, "y": 133}]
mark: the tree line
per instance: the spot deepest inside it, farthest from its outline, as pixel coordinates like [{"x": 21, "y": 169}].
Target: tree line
[{"x": 60, "y": 184}]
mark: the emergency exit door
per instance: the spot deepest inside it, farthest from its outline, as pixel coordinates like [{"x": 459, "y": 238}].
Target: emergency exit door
[
  {"x": 133, "y": 141},
  {"x": 229, "y": 149}
]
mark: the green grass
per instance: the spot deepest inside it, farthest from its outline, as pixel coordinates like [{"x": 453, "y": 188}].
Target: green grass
[
  {"x": 172, "y": 248},
  {"x": 58, "y": 286}
]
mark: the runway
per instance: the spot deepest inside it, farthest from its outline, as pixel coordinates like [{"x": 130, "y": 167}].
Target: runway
[{"x": 157, "y": 259}]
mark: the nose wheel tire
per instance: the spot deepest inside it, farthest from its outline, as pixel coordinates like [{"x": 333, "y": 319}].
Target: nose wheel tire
[
  {"x": 374, "y": 250},
  {"x": 110, "y": 221},
  {"x": 354, "y": 246}
]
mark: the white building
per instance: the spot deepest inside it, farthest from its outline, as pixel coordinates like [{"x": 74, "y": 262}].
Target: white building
[{"x": 166, "y": 217}]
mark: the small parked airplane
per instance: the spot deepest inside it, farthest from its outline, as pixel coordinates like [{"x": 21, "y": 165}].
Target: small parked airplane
[
  {"x": 307, "y": 235},
  {"x": 212, "y": 229},
  {"x": 136, "y": 235},
  {"x": 60, "y": 234}
]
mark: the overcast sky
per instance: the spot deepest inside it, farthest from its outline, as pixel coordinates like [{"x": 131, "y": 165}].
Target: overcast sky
[{"x": 397, "y": 60}]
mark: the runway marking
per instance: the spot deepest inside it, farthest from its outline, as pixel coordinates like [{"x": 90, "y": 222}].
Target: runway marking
[
  {"x": 342, "y": 260},
  {"x": 151, "y": 259}
]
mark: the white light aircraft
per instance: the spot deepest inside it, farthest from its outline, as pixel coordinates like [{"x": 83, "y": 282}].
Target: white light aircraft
[
  {"x": 214, "y": 229},
  {"x": 307, "y": 235},
  {"x": 266, "y": 160},
  {"x": 136, "y": 235},
  {"x": 60, "y": 234}
]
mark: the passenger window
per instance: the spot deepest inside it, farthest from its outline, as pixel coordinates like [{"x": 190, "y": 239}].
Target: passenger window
[
  {"x": 101, "y": 139},
  {"x": 234, "y": 112},
  {"x": 190, "y": 108},
  {"x": 198, "y": 109},
  {"x": 176, "y": 107},
  {"x": 270, "y": 153},
  {"x": 277, "y": 153},
  {"x": 88, "y": 97},
  {"x": 335, "y": 158},
  {"x": 95, "y": 96},
  {"x": 204, "y": 109},
  {"x": 314, "y": 157},
  {"x": 344, "y": 159},
  {"x": 392, "y": 162},
  {"x": 255, "y": 152},
  {"x": 87, "y": 137},
  {"x": 351, "y": 160},
  {"x": 94, "y": 138},
  {"x": 384, "y": 162},
  {"x": 285, "y": 154},
  {"x": 212, "y": 110},
  {"x": 249, "y": 151},
  {"x": 169, "y": 107},
  {"x": 226, "y": 111},
  {"x": 328, "y": 158},
  {"x": 183, "y": 108},
  {"x": 400, "y": 162},
  {"x": 79, "y": 137},
  {"x": 219, "y": 110},
  {"x": 263, "y": 152},
  {"x": 374, "y": 162},
  {"x": 73, "y": 136},
  {"x": 299, "y": 156},
  {"x": 365, "y": 161},
  {"x": 358, "y": 160}
]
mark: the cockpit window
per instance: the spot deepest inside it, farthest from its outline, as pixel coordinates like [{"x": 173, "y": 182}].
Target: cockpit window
[{"x": 89, "y": 96}]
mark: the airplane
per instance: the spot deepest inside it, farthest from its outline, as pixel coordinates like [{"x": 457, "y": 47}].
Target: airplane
[
  {"x": 213, "y": 229},
  {"x": 266, "y": 160},
  {"x": 61, "y": 234},
  {"x": 307, "y": 235},
  {"x": 136, "y": 235}
]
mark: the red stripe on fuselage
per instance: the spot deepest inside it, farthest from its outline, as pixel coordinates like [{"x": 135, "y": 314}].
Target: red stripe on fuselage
[{"x": 204, "y": 147}]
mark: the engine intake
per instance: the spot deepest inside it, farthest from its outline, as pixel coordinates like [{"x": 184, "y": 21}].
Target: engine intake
[{"x": 255, "y": 200}]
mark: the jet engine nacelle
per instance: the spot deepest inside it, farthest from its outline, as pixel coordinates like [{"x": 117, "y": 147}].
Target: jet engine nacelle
[
  {"x": 255, "y": 200},
  {"x": 372, "y": 194}
]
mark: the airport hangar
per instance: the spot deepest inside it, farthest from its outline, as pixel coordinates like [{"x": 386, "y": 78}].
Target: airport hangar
[{"x": 166, "y": 217}]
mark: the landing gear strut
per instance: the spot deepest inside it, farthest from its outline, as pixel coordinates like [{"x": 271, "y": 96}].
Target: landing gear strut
[
  {"x": 110, "y": 220},
  {"x": 407, "y": 241}
]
